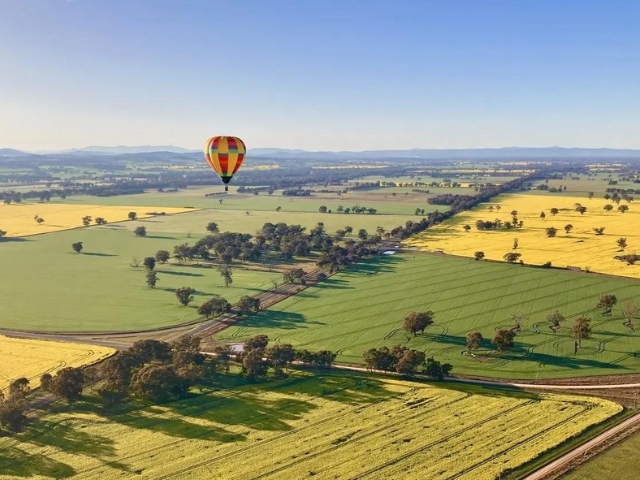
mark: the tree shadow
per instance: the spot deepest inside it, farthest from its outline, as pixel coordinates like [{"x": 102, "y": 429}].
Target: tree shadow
[
  {"x": 14, "y": 240},
  {"x": 161, "y": 237},
  {"x": 97, "y": 254},
  {"x": 181, "y": 274},
  {"x": 16, "y": 462},
  {"x": 277, "y": 319}
]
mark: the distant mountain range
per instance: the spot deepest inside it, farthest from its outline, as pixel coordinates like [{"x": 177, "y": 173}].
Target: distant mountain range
[{"x": 508, "y": 153}]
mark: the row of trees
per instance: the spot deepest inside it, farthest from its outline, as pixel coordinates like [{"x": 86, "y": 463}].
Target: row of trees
[{"x": 405, "y": 361}]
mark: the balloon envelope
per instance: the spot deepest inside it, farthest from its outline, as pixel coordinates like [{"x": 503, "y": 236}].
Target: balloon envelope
[{"x": 225, "y": 156}]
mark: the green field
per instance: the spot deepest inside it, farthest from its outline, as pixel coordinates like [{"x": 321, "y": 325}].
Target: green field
[
  {"x": 363, "y": 307},
  {"x": 615, "y": 463},
  {"x": 329, "y": 426}
]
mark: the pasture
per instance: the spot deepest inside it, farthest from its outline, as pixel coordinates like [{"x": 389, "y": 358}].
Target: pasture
[
  {"x": 18, "y": 219},
  {"x": 616, "y": 462},
  {"x": 364, "y": 306},
  {"x": 21, "y": 357},
  {"x": 581, "y": 247},
  {"x": 328, "y": 426}
]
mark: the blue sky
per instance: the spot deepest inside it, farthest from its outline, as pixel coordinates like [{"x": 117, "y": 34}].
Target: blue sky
[{"x": 320, "y": 75}]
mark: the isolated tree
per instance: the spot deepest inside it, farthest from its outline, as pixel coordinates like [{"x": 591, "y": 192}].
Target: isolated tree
[
  {"x": 348, "y": 229},
  {"x": 140, "y": 231},
  {"x": 162, "y": 256},
  {"x": 631, "y": 259},
  {"x": 248, "y": 304},
  {"x": 132, "y": 215},
  {"x": 542, "y": 215},
  {"x": 514, "y": 213},
  {"x": 212, "y": 227},
  {"x": 622, "y": 243},
  {"x": 479, "y": 255},
  {"x": 519, "y": 318},
  {"x": 607, "y": 302},
  {"x": 185, "y": 295},
  {"x": 86, "y": 221},
  {"x": 567, "y": 228},
  {"x": 554, "y": 211},
  {"x": 214, "y": 307},
  {"x": 322, "y": 209},
  {"x": 226, "y": 272},
  {"x": 590, "y": 195},
  {"x": 467, "y": 228},
  {"x": 623, "y": 208},
  {"x": 278, "y": 208},
  {"x": 599, "y": 231},
  {"x": 149, "y": 263},
  {"x": 551, "y": 232},
  {"x": 152, "y": 279},
  {"x": 490, "y": 208},
  {"x": 100, "y": 221},
  {"x": 629, "y": 311},
  {"x": 504, "y": 340},
  {"x": 515, "y": 243},
  {"x": 581, "y": 209},
  {"x": 608, "y": 207},
  {"x": 474, "y": 340},
  {"x": 511, "y": 257},
  {"x": 416, "y": 322},
  {"x": 554, "y": 318},
  {"x": 68, "y": 384},
  {"x": 77, "y": 247},
  {"x": 362, "y": 234},
  {"x": 581, "y": 329},
  {"x": 2, "y": 233}
]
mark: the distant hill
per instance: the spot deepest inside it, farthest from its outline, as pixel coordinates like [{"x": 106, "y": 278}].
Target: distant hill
[
  {"x": 10, "y": 152},
  {"x": 121, "y": 149}
]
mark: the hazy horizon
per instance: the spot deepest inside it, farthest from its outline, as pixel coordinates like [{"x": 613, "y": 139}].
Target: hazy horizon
[{"x": 319, "y": 76}]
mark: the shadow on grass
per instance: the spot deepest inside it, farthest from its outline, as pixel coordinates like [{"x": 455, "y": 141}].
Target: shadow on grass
[
  {"x": 160, "y": 237},
  {"x": 14, "y": 240},
  {"x": 97, "y": 254},
  {"x": 181, "y": 274},
  {"x": 277, "y": 319},
  {"x": 16, "y": 462}
]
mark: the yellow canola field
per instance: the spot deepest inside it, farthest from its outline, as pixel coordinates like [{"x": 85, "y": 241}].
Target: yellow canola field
[
  {"x": 20, "y": 357},
  {"x": 580, "y": 248},
  {"x": 329, "y": 427},
  {"x": 18, "y": 219}
]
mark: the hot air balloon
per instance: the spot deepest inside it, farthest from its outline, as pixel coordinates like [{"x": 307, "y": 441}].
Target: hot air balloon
[{"x": 225, "y": 156}]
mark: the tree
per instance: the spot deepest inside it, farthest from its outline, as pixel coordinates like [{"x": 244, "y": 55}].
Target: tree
[
  {"x": 150, "y": 350},
  {"x": 608, "y": 207},
  {"x": 68, "y": 384},
  {"x": 554, "y": 318},
  {"x": 254, "y": 365},
  {"x": 515, "y": 243},
  {"x": 551, "y": 232},
  {"x": 156, "y": 383},
  {"x": 162, "y": 256},
  {"x": 214, "y": 307},
  {"x": 348, "y": 229},
  {"x": 362, "y": 234},
  {"x": 45, "y": 381},
  {"x": 542, "y": 215},
  {"x": 185, "y": 295},
  {"x": 629, "y": 312},
  {"x": 511, "y": 257},
  {"x": 149, "y": 263},
  {"x": 554, "y": 211},
  {"x": 212, "y": 227},
  {"x": 140, "y": 231},
  {"x": 581, "y": 209},
  {"x": 19, "y": 387},
  {"x": 132, "y": 215},
  {"x": 280, "y": 356},
  {"x": 590, "y": 195},
  {"x": 2, "y": 233},
  {"x": 259, "y": 342},
  {"x": 416, "y": 322},
  {"x": 623, "y": 208},
  {"x": 322, "y": 209},
  {"x": 223, "y": 353},
  {"x": 12, "y": 415},
  {"x": 152, "y": 279},
  {"x": 248, "y": 304},
  {"x": 467, "y": 228},
  {"x": 100, "y": 221},
  {"x": 599, "y": 231},
  {"x": 567, "y": 228},
  {"x": 77, "y": 247},
  {"x": 278, "y": 208},
  {"x": 479, "y": 255},
  {"x": 474, "y": 340},
  {"x": 86, "y": 221},
  {"x": 293, "y": 276},
  {"x": 607, "y": 302},
  {"x": 581, "y": 329},
  {"x": 226, "y": 273},
  {"x": 504, "y": 340},
  {"x": 622, "y": 243},
  {"x": 437, "y": 370}
]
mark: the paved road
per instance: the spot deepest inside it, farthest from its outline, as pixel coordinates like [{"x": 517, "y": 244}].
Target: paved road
[{"x": 581, "y": 450}]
